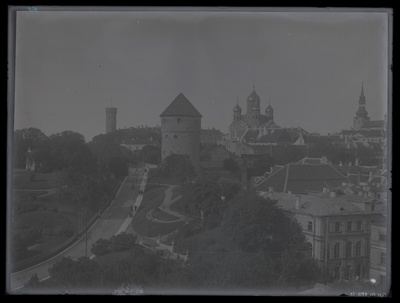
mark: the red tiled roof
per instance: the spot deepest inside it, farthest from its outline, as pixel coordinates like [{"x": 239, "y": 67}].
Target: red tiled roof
[
  {"x": 270, "y": 135},
  {"x": 374, "y": 124},
  {"x": 181, "y": 106},
  {"x": 303, "y": 178}
]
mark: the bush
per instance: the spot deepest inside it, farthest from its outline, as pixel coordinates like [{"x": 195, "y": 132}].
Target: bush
[
  {"x": 122, "y": 241},
  {"x": 101, "y": 247}
]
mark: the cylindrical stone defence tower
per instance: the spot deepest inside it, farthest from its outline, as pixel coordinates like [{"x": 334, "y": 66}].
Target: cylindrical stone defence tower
[
  {"x": 180, "y": 128},
  {"x": 111, "y": 119}
]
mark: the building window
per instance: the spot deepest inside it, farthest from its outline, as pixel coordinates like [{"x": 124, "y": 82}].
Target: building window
[
  {"x": 359, "y": 225},
  {"x": 166, "y": 136},
  {"x": 309, "y": 250},
  {"x": 336, "y": 250},
  {"x": 358, "y": 249},
  {"x": 373, "y": 207},
  {"x": 309, "y": 226},
  {"x": 348, "y": 249},
  {"x": 175, "y": 136},
  {"x": 328, "y": 251},
  {"x": 349, "y": 225},
  {"x": 382, "y": 237},
  {"x": 383, "y": 258},
  {"x": 337, "y": 227}
]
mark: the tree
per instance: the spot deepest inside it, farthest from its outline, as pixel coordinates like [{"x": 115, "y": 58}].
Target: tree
[
  {"x": 34, "y": 139},
  {"x": 255, "y": 223},
  {"x": 177, "y": 166},
  {"x": 150, "y": 154},
  {"x": 100, "y": 247},
  {"x": 69, "y": 150},
  {"x": 231, "y": 165},
  {"x": 75, "y": 275}
]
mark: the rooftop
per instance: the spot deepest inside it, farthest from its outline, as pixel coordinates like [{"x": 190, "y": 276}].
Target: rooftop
[
  {"x": 181, "y": 106},
  {"x": 317, "y": 205},
  {"x": 303, "y": 178}
]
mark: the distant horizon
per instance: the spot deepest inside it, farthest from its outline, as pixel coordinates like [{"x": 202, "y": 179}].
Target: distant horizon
[{"x": 71, "y": 65}]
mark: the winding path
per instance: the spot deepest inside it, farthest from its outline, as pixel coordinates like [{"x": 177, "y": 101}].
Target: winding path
[{"x": 165, "y": 207}]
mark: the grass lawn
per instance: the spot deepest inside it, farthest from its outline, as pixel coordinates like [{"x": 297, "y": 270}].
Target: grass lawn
[
  {"x": 178, "y": 205},
  {"x": 162, "y": 215},
  {"x": 152, "y": 200},
  {"x": 43, "y": 219},
  {"x": 40, "y": 181}
]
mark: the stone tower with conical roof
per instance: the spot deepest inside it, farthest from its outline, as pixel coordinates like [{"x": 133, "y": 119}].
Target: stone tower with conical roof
[
  {"x": 180, "y": 129},
  {"x": 361, "y": 114}
]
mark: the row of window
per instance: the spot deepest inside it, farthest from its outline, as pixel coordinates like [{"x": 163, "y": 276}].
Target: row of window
[
  {"x": 350, "y": 225},
  {"x": 175, "y": 136},
  {"x": 338, "y": 226},
  {"x": 348, "y": 252}
]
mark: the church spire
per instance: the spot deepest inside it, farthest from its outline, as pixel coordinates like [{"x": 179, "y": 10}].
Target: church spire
[
  {"x": 254, "y": 85},
  {"x": 362, "y": 97}
]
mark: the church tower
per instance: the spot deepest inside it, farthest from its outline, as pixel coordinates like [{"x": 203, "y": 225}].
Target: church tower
[
  {"x": 111, "y": 119},
  {"x": 180, "y": 129},
  {"x": 237, "y": 112},
  {"x": 253, "y": 108},
  {"x": 269, "y": 112},
  {"x": 361, "y": 114}
]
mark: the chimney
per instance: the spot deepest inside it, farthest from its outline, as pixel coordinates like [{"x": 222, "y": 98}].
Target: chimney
[
  {"x": 324, "y": 190},
  {"x": 332, "y": 194},
  {"x": 349, "y": 163},
  {"x": 348, "y": 174},
  {"x": 289, "y": 192},
  {"x": 356, "y": 163},
  {"x": 370, "y": 176},
  {"x": 340, "y": 163},
  {"x": 271, "y": 189},
  {"x": 297, "y": 204}
]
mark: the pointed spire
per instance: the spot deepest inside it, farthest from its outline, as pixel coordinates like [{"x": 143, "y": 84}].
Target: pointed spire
[
  {"x": 269, "y": 102},
  {"x": 362, "y": 89},
  {"x": 254, "y": 85},
  {"x": 237, "y": 100},
  {"x": 361, "y": 100}
]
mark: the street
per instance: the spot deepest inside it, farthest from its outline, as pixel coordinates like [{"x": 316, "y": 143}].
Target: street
[{"x": 112, "y": 221}]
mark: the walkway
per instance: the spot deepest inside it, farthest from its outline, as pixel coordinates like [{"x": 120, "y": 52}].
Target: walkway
[{"x": 165, "y": 207}]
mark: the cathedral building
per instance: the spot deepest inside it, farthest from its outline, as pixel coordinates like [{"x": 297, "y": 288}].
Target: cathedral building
[{"x": 252, "y": 118}]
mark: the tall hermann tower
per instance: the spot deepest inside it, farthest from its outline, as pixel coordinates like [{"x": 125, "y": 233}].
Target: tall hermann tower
[{"x": 111, "y": 119}]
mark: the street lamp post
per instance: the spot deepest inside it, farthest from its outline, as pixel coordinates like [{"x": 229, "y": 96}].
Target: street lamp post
[{"x": 86, "y": 228}]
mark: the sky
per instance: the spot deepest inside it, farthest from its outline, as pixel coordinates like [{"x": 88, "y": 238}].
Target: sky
[{"x": 71, "y": 65}]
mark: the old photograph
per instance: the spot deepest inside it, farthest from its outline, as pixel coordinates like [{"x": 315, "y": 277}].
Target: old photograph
[{"x": 199, "y": 151}]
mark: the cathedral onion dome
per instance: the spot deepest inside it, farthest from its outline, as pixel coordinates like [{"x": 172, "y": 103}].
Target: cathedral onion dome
[
  {"x": 253, "y": 97},
  {"x": 361, "y": 112},
  {"x": 237, "y": 109}
]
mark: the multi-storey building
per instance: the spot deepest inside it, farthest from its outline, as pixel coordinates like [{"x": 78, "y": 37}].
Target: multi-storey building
[{"x": 337, "y": 229}]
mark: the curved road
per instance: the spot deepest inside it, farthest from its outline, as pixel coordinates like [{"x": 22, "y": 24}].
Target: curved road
[{"x": 110, "y": 223}]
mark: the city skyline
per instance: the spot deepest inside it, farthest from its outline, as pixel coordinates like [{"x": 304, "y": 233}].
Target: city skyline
[{"x": 70, "y": 66}]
